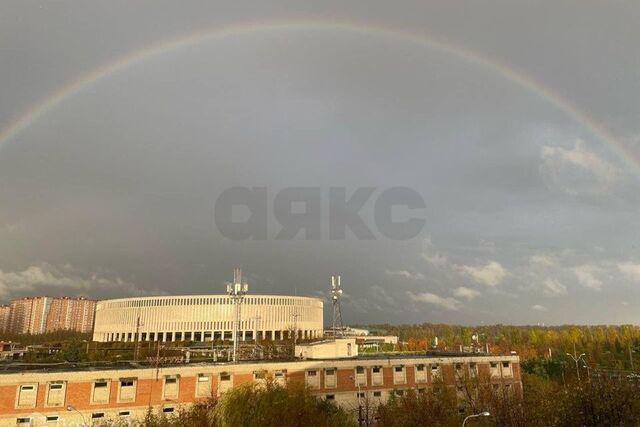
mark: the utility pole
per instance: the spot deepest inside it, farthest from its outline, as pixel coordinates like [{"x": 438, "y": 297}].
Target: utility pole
[
  {"x": 136, "y": 350},
  {"x": 257, "y": 329},
  {"x": 236, "y": 291}
]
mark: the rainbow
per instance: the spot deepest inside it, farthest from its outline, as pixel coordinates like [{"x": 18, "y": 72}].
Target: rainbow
[{"x": 425, "y": 40}]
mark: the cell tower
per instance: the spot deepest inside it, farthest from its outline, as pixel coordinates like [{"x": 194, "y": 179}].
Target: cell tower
[
  {"x": 336, "y": 293},
  {"x": 236, "y": 291}
]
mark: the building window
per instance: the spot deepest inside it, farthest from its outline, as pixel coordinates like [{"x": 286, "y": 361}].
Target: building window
[
  {"x": 127, "y": 390},
  {"x": 361, "y": 376},
  {"x": 473, "y": 369},
  {"x": 124, "y": 413},
  {"x": 203, "y": 386},
  {"x": 377, "y": 394},
  {"x": 23, "y": 420},
  {"x": 27, "y": 395},
  {"x": 280, "y": 377},
  {"x": 435, "y": 371},
  {"x": 225, "y": 382},
  {"x": 52, "y": 418},
  {"x": 100, "y": 392},
  {"x": 171, "y": 387},
  {"x": 312, "y": 379},
  {"x": 167, "y": 409},
  {"x": 330, "y": 378},
  {"x": 97, "y": 415},
  {"x": 399, "y": 376},
  {"x": 330, "y": 397}
]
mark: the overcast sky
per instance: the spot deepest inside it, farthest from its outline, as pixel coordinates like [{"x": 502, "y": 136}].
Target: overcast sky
[{"x": 531, "y": 215}]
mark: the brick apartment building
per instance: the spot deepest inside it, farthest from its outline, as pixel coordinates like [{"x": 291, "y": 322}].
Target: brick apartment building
[
  {"x": 97, "y": 396},
  {"x": 37, "y": 315}
]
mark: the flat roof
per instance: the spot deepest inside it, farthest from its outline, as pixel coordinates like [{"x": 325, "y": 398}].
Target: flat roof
[{"x": 12, "y": 367}]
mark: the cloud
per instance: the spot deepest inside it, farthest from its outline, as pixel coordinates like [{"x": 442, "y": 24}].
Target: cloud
[
  {"x": 556, "y": 157},
  {"x": 543, "y": 260},
  {"x": 50, "y": 279},
  {"x": 437, "y": 260},
  {"x": 490, "y": 274},
  {"x": 553, "y": 288},
  {"x": 429, "y": 298},
  {"x": 378, "y": 293},
  {"x": 468, "y": 294},
  {"x": 434, "y": 258},
  {"x": 405, "y": 274},
  {"x": 586, "y": 275},
  {"x": 538, "y": 307},
  {"x": 631, "y": 270}
]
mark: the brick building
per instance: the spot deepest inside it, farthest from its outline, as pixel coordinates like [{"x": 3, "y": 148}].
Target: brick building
[{"x": 99, "y": 395}]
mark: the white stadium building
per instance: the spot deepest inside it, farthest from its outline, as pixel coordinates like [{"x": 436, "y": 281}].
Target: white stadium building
[{"x": 207, "y": 318}]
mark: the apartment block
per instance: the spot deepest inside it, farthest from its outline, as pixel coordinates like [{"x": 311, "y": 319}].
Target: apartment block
[
  {"x": 37, "y": 315},
  {"x": 5, "y": 311}
]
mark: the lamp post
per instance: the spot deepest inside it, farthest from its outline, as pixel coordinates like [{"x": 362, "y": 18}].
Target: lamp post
[
  {"x": 481, "y": 414},
  {"x": 360, "y": 420},
  {"x": 71, "y": 408},
  {"x": 632, "y": 349},
  {"x": 236, "y": 291},
  {"x": 576, "y": 359},
  {"x": 295, "y": 331},
  {"x": 136, "y": 350}
]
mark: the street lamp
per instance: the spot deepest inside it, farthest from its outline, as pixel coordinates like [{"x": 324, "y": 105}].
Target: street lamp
[
  {"x": 576, "y": 359},
  {"x": 236, "y": 291},
  {"x": 359, "y": 400},
  {"x": 71, "y": 408},
  {"x": 481, "y": 414}
]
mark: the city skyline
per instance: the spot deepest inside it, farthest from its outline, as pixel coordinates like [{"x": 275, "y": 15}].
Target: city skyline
[{"x": 121, "y": 127}]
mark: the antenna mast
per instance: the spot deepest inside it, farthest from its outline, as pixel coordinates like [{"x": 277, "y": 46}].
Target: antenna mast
[
  {"x": 236, "y": 291},
  {"x": 336, "y": 294}
]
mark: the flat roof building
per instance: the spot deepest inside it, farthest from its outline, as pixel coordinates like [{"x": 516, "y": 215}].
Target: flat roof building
[
  {"x": 111, "y": 394},
  {"x": 204, "y": 318}
]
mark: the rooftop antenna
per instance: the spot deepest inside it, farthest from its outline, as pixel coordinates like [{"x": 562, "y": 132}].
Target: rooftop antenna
[{"x": 336, "y": 294}]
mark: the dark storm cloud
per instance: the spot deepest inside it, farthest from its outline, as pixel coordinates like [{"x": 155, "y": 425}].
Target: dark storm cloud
[{"x": 530, "y": 217}]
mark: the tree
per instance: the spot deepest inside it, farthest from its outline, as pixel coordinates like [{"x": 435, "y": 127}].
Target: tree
[{"x": 272, "y": 405}]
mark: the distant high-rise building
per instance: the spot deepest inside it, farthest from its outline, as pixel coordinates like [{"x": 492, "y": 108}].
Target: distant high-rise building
[
  {"x": 37, "y": 315},
  {"x": 74, "y": 314},
  {"x": 21, "y": 315},
  {"x": 5, "y": 311}
]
